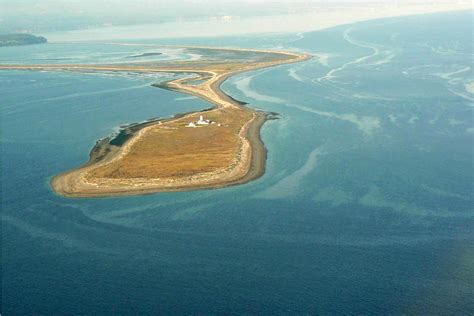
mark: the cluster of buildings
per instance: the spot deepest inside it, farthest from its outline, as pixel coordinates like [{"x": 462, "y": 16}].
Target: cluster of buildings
[{"x": 201, "y": 122}]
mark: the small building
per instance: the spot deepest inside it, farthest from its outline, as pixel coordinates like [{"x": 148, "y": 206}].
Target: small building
[{"x": 202, "y": 121}]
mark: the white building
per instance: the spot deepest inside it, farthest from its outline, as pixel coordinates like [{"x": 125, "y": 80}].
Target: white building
[{"x": 202, "y": 121}]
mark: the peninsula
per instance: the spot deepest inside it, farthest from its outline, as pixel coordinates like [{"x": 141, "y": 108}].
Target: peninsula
[
  {"x": 18, "y": 39},
  {"x": 213, "y": 148}
]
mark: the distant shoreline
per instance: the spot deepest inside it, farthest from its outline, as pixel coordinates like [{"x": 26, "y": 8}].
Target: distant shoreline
[
  {"x": 310, "y": 20},
  {"x": 20, "y": 39}
]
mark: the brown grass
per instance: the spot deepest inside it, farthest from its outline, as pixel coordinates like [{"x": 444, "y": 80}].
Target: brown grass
[{"x": 171, "y": 150}]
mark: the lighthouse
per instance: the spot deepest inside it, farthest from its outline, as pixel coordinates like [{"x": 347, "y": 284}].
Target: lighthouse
[{"x": 202, "y": 121}]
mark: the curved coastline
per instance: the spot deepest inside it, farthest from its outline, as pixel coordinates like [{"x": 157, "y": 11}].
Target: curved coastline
[{"x": 248, "y": 165}]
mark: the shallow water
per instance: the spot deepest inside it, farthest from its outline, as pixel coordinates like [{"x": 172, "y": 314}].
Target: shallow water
[{"x": 365, "y": 206}]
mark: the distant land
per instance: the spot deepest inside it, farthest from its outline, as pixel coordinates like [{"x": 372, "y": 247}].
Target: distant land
[
  {"x": 145, "y": 55},
  {"x": 20, "y": 39}
]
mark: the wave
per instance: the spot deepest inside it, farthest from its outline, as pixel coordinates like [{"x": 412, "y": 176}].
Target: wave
[
  {"x": 322, "y": 58},
  {"x": 194, "y": 57},
  {"x": 469, "y": 87},
  {"x": 370, "y": 96},
  {"x": 449, "y": 75},
  {"x": 410, "y": 70},
  {"x": 243, "y": 85},
  {"x": 346, "y": 35},
  {"x": 67, "y": 240},
  {"x": 443, "y": 51},
  {"x": 464, "y": 96},
  {"x": 293, "y": 74},
  {"x": 413, "y": 119},
  {"x": 185, "y": 98},
  {"x": 457, "y": 82},
  {"x": 291, "y": 184},
  {"x": 376, "y": 198},
  {"x": 387, "y": 56},
  {"x": 366, "y": 124},
  {"x": 81, "y": 94}
]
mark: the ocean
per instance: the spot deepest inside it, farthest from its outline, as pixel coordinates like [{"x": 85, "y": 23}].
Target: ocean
[{"x": 366, "y": 205}]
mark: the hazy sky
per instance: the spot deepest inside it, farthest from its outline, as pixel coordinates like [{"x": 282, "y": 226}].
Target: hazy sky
[
  {"x": 39, "y": 16},
  {"x": 185, "y": 7}
]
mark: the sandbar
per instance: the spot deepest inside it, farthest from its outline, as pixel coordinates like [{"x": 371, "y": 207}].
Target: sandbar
[{"x": 166, "y": 155}]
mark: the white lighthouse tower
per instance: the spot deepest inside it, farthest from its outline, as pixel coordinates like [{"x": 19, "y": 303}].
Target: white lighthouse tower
[{"x": 202, "y": 121}]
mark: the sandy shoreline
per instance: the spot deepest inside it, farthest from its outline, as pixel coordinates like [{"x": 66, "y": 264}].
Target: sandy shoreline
[
  {"x": 62, "y": 183},
  {"x": 249, "y": 164}
]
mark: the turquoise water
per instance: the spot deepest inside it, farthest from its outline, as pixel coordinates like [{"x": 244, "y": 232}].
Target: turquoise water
[{"x": 365, "y": 206}]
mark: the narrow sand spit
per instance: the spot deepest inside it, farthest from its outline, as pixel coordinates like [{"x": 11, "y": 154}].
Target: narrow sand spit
[{"x": 247, "y": 164}]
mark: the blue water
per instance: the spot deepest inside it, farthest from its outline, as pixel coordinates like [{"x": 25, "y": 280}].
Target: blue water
[{"x": 365, "y": 206}]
